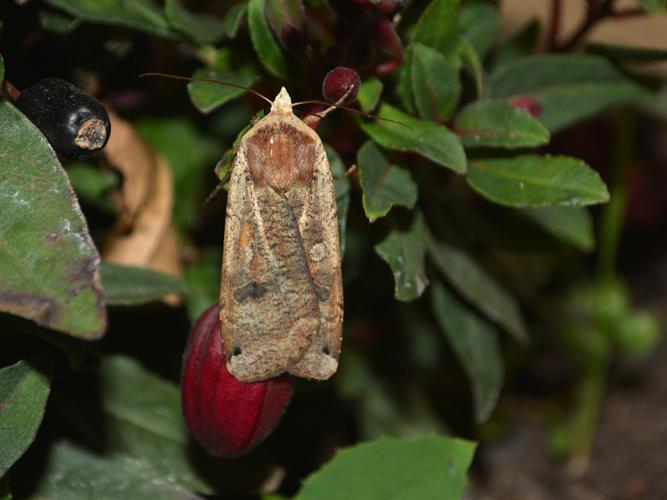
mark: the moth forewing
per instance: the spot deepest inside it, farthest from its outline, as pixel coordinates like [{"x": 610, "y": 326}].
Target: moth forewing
[{"x": 281, "y": 290}]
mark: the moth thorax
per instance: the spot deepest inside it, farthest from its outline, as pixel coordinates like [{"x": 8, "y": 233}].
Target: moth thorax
[{"x": 282, "y": 103}]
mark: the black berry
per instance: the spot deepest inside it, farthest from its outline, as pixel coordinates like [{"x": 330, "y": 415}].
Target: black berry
[{"x": 75, "y": 123}]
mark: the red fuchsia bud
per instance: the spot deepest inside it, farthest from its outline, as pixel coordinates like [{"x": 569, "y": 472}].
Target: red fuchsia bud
[
  {"x": 526, "y": 103},
  {"x": 227, "y": 417},
  {"x": 287, "y": 19},
  {"x": 389, "y": 7},
  {"x": 338, "y": 81},
  {"x": 389, "y": 42}
]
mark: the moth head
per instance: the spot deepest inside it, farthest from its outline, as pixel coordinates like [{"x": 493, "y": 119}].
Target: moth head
[{"x": 282, "y": 103}]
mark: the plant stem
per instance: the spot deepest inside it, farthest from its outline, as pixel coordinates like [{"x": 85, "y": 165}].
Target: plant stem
[
  {"x": 613, "y": 214},
  {"x": 554, "y": 25}
]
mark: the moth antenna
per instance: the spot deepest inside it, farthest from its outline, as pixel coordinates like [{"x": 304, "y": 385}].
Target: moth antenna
[
  {"x": 206, "y": 80},
  {"x": 347, "y": 108}
]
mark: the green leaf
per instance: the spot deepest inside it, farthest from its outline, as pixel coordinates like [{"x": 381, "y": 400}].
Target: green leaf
[
  {"x": 653, "y": 6},
  {"x": 383, "y": 183},
  {"x": 139, "y": 14},
  {"x": 234, "y": 18},
  {"x": 626, "y": 53},
  {"x": 428, "y": 468},
  {"x": 127, "y": 286},
  {"x": 208, "y": 97},
  {"x": 475, "y": 342},
  {"x": 570, "y": 224},
  {"x": 369, "y": 94},
  {"x": 531, "y": 181},
  {"x": 568, "y": 87},
  {"x": 478, "y": 288},
  {"x": 92, "y": 184},
  {"x": 57, "y": 23},
  {"x": 472, "y": 63},
  {"x": 438, "y": 28},
  {"x": 201, "y": 28},
  {"x": 404, "y": 252},
  {"x": 49, "y": 267},
  {"x": 342, "y": 188},
  {"x": 436, "y": 87},
  {"x": 267, "y": 47},
  {"x": 146, "y": 453},
  {"x": 497, "y": 124},
  {"x": 478, "y": 22},
  {"x": 24, "y": 389},
  {"x": 404, "y": 87},
  {"x": 431, "y": 140}
]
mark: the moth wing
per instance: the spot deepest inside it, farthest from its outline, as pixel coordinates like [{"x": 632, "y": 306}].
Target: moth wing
[
  {"x": 318, "y": 224},
  {"x": 267, "y": 322}
]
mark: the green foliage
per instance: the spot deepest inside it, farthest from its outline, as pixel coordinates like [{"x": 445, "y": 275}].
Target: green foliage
[
  {"x": 428, "y": 139},
  {"x": 383, "y": 183},
  {"x": 393, "y": 468},
  {"x": 531, "y": 181},
  {"x": 404, "y": 251},
  {"x": 24, "y": 389},
  {"x": 475, "y": 342},
  {"x": 495, "y": 123},
  {"x": 125, "y": 285},
  {"x": 48, "y": 263},
  {"x": 489, "y": 231},
  {"x": 568, "y": 87}
]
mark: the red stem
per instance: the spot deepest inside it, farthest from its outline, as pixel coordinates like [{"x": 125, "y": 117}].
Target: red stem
[{"x": 554, "y": 26}]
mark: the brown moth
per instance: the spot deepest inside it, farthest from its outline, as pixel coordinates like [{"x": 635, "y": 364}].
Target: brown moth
[{"x": 281, "y": 294}]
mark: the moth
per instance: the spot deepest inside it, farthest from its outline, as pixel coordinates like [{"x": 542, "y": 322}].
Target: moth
[{"x": 281, "y": 292}]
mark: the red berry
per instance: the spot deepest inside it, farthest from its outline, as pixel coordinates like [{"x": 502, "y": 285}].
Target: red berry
[
  {"x": 338, "y": 81},
  {"x": 226, "y": 416},
  {"x": 526, "y": 103}
]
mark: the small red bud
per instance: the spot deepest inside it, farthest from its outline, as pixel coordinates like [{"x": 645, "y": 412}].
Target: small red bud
[
  {"x": 389, "y": 41},
  {"x": 338, "y": 81},
  {"x": 226, "y": 416},
  {"x": 526, "y": 103}
]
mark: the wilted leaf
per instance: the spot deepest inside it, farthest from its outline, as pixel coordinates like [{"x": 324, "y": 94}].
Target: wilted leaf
[
  {"x": 568, "y": 87},
  {"x": 428, "y": 468},
  {"x": 267, "y": 47},
  {"x": 383, "y": 183},
  {"x": 478, "y": 22},
  {"x": 24, "y": 389},
  {"x": 202, "y": 28},
  {"x": 139, "y": 14},
  {"x": 49, "y": 267},
  {"x": 570, "y": 224},
  {"x": 234, "y": 18},
  {"x": 143, "y": 235},
  {"x": 190, "y": 154},
  {"x": 435, "y": 83},
  {"x": 530, "y": 181},
  {"x": 127, "y": 285},
  {"x": 497, "y": 124},
  {"x": 478, "y": 288},
  {"x": 404, "y": 252},
  {"x": 475, "y": 342},
  {"x": 369, "y": 94},
  {"x": 438, "y": 28},
  {"x": 431, "y": 140},
  {"x": 342, "y": 188}
]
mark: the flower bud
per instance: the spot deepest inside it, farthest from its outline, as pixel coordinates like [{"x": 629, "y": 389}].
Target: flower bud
[
  {"x": 226, "y": 416},
  {"x": 338, "y": 81},
  {"x": 526, "y": 103}
]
